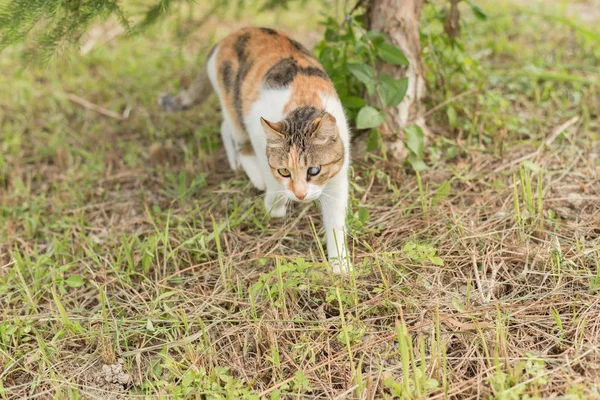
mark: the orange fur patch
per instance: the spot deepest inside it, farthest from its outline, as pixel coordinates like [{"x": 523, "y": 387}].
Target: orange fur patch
[{"x": 260, "y": 49}]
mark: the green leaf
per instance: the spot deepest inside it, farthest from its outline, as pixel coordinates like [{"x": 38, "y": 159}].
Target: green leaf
[
  {"x": 431, "y": 384},
  {"x": 187, "y": 379},
  {"x": 150, "y": 326},
  {"x": 435, "y": 260},
  {"x": 391, "y": 54},
  {"x": 451, "y": 113},
  {"x": 531, "y": 166},
  {"x": 353, "y": 102},
  {"x": 417, "y": 163},
  {"x": 459, "y": 307},
  {"x": 442, "y": 193},
  {"x": 415, "y": 140},
  {"x": 374, "y": 140},
  {"x": 301, "y": 382},
  {"x": 74, "y": 280},
  {"x": 392, "y": 90},
  {"x": 452, "y": 152},
  {"x": 276, "y": 394},
  {"x": 375, "y": 37},
  {"x": 363, "y": 214},
  {"x": 370, "y": 88},
  {"x": 363, "y": 72},
  {"x": 370, "y": 42},
  {"x": 369, "y": 117},
  {"x": 478, "y": 11}
]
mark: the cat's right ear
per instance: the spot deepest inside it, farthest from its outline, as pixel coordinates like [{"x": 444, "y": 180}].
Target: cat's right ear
[{"x": 273, "y": 131}]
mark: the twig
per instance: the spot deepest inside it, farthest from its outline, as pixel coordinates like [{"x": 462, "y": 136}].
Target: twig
[
  {"x": 94, "y": 107},
  {"x": 364, "y": 197},
  {"x": 176, "y": 343},
  {"x": 347, "y": 392},
  {"x": 517, "y": 161},
  {"x": 477, "y": 278},
  {"x": 347, "y": 17},
  {"x": 450, "y": 100},
  {"x": 9, "y": 264},
  {"x": 560, "y": 129}
]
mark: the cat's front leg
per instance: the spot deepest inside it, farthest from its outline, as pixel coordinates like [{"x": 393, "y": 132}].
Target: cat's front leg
[
  {"x": 275, "y": 199},
  {"x": 334, "y": 203},
  {"x": 275, "y": 204}
]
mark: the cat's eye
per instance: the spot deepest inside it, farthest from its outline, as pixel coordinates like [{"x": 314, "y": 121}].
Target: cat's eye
[
  {"x": 312, "y": 171},
  {"x": 284, "y": 172}
]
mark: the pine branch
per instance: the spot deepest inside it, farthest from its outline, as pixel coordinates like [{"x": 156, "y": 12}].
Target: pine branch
[{"x": 47, "y": 27}]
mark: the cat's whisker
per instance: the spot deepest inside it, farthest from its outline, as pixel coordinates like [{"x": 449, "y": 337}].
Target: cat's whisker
[{"x": 327, "y": 195}]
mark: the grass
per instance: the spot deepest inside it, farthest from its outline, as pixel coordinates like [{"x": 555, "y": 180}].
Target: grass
[{"x": 134, "y": 263}]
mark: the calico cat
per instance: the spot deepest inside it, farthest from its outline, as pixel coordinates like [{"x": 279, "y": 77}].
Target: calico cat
[{"x": 283, "y": 123}]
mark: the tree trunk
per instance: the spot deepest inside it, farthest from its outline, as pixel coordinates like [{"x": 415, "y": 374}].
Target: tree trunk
[{"x": 398, "y": 20}]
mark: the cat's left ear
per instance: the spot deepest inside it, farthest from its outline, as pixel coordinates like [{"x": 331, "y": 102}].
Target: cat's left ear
[
  {"x": 275, "y": 138},
  {"x": 324, "y": 129}
]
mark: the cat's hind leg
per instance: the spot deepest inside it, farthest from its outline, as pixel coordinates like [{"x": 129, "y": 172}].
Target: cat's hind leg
[
  {"x": 230, "y": 147},
  {"x": 251, "y": 165},
  {"x": 240, "y": 152}
]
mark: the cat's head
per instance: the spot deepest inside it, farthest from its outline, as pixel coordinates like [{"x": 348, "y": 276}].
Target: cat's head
[{"x": 304, "y": 151}]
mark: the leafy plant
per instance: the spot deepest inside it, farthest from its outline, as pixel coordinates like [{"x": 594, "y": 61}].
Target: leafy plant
[
  {"x": 350, "y": 55},
  {"x": 415, "y": 143},
  {"x": 286, "y": 278},
  {"x": 525, "y": 378},
  {"x": 420, "y": 252},
  {"x": 414, "y": 382}
]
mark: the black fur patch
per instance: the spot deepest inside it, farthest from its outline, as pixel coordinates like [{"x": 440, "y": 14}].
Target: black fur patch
[
  {"x": 227, "y": 75},
  {"x": 283, "y": 73},
  {"x": 244, "y": 65},
  {"x": 314, "y": 71},
  {"x": 269, "y": 31},
  {"x": 301, "y": 49},
  {"x": 240, "y": 46}
]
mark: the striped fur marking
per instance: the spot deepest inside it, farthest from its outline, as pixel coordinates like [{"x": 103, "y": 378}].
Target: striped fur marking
[
  {"x": 269, "y": 31},
  {"x": 283, "y": 73},
  {"x": 227, "y": 75},
  {"x": 244, "y": 65}
]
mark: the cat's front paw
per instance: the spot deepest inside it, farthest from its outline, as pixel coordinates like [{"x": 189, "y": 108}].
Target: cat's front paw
[
  {"x": 278, "y": 212},
  {"x": 275, "y": 206},
  {"x": 341, "y": 266}
]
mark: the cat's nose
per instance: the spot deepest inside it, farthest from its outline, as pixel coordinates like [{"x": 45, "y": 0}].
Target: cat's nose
[{"x": 300, "y": 196}]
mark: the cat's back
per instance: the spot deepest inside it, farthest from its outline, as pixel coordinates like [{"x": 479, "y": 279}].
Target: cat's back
[{"x": 254, "y": 61}]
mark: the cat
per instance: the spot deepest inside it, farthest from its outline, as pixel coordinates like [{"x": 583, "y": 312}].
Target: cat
[{"x": 283, "y": 123}]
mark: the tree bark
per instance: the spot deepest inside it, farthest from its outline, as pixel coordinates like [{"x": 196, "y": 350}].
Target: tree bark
[{"x": 398, "y": 20}]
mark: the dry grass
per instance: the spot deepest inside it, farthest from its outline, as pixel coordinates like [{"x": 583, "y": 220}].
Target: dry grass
[{"x": 130, "y": 240}]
